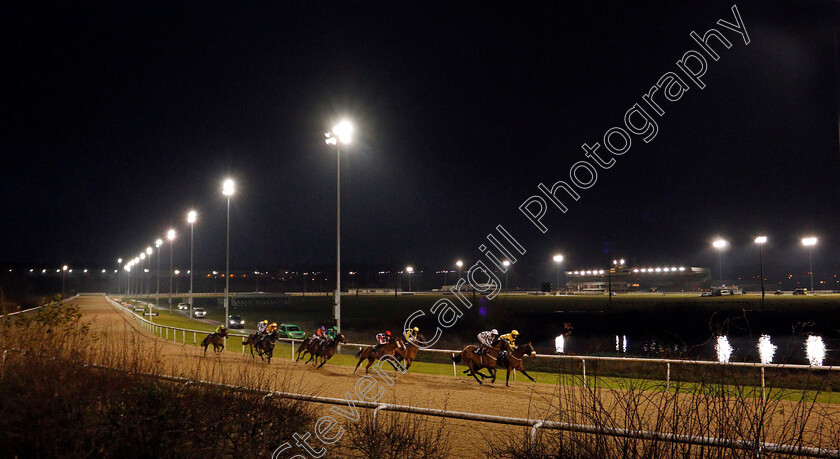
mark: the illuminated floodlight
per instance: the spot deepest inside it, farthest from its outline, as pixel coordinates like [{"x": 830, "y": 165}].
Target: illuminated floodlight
[
  {"x": 809, "y": 241},
  {"x": 621, "y": 262},
  {"x": 682, "y": 268},
  {"x": 673, "y": 268},
  {"x": 148, "y": 251},
  {"x": 644, "y": 270},
  {"x": 227, "y": 187},
  {"x": 719, "y": 244},
  {"x": 158, "y": 243},
  {"x": 761, "y": 239},
  {"x": 505, "y": 263},
  {"x": 558, "y": 258},
  {"x": 192, "y": 216},
  {"x": 659, "y": 270},
  {"x": 170, "y": 234},
  {"x": 409, "y": 269},
  {"x": 601, "y": 272},
  {"x": 635, "y": 270}
]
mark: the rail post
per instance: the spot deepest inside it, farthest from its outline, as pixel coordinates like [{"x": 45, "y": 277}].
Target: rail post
[
  {"x": 534, "y": 428},
  {"x": 763, "y": 395},
  {"x": 376, "y": 413},
  {"x": 668, "y": 376},
  {"x": 292, "y": 343},
  {"x": 454, "y": 369},
  {"x": 584, "y": 371}
]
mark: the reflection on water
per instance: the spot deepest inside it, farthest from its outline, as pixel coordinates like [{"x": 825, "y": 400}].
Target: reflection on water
[
  {"x": 766, "y": 349},
  {"x": 815, "y": 350},
  {"x": 559, "y": 344},
  {"x": 621, "y": 344},
  {"x": 723, "y": 349}
]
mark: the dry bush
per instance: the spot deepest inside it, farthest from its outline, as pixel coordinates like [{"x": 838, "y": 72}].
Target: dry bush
[{"x": 59, "y": 401}]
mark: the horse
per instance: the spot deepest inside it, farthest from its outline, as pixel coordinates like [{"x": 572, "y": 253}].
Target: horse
[
  {"x": 373, "y": 353},
  {"x": 487, "y": 360},
  {"x": 217, "y": 340},
  {"x": 251, "y": 341},
  {"x": 512, "y": 360},
  {"x": 325, "y": 351},
  {"x": 409, "y": 353},
  {"x": 265, "y": 346},
  {"x": 303, "y": 348}
]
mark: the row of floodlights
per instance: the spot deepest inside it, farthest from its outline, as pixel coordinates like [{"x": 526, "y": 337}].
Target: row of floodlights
[{"x": 635, "y": 270}]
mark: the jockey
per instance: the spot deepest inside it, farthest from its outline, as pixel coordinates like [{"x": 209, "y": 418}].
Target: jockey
[
  {"x": 331, "y": 333},
  {"x": 272, "y": 327},
  {"x": 220, "y": 329},
  {"x": 261, "y": 326},
  {"x": 320, "y": 334},
  {"x": 487, "y": 340},
  {"x": 510, "y": 338},
  {"x": 412, "y": 335},
  {"x": 382, "y": 339}
]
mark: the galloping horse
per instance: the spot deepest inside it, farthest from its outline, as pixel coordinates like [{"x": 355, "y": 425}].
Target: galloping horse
[
  {"x": 303, "y": 348},
  {"x": 513, "y": 361},
  {"x": 325, "y": 351},
  {"x": 409, "y": 353},
  {"x": 264, "y": 345},
  {"x": 487, "y": 359},
  {"x": 217, "y": 340},
  {"x": 251, "y": 341},
  {"x": 372, "y": 353}
]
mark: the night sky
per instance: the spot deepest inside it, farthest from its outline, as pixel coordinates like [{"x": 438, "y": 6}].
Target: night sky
[{"x": 120, "y": 117}]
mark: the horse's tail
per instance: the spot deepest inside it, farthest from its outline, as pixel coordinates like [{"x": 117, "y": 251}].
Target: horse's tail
[
  {"x": 456, "y": 358},
  {"x": 244, "y": 341},
  {"x": 360, "y": 352}
]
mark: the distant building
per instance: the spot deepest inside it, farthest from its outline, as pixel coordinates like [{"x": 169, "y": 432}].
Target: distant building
[{"x": 622, "y": 278}]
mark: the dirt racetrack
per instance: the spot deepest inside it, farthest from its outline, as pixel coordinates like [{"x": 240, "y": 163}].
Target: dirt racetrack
[{"x": 523, "y": 399}]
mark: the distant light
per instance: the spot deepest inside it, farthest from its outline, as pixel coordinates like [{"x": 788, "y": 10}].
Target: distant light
[
  {"x": 808, "y": 241},
  {"x": 558, "y": 258},
  {"x": 761, "y": 239},
  {"x": 158, "y": 242},
  {"x": 601, "y": 272},
  {"x": 142, "y": 256},
  {"x": 170, "y": 234},
  {"x": 635, "y": 270},
  {"x": 459, "y": 263},
  {"x": 65, "y": 267},
  {"x": 659, "y": 270},
  {"x": 644, "y": 270},
  {"x": 505, "y": 263},
  {"x": 682, "y": 269},
  {"x": 148, "y": 250},
  {"x": 409, "y": 269},
  {"x": 192, "y": 216},
  {"x": 621, "y": 261},
  {"x": 227, "y": 187},
  {"x": 719, "y": 244}
]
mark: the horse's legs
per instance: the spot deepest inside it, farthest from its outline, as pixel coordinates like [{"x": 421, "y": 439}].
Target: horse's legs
[
  {"x": 370, "y": 362},
  {"x": 493, "y": 374},
  {"x": 507, "y": 378},
  {"x": 526, "y": 374}
]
